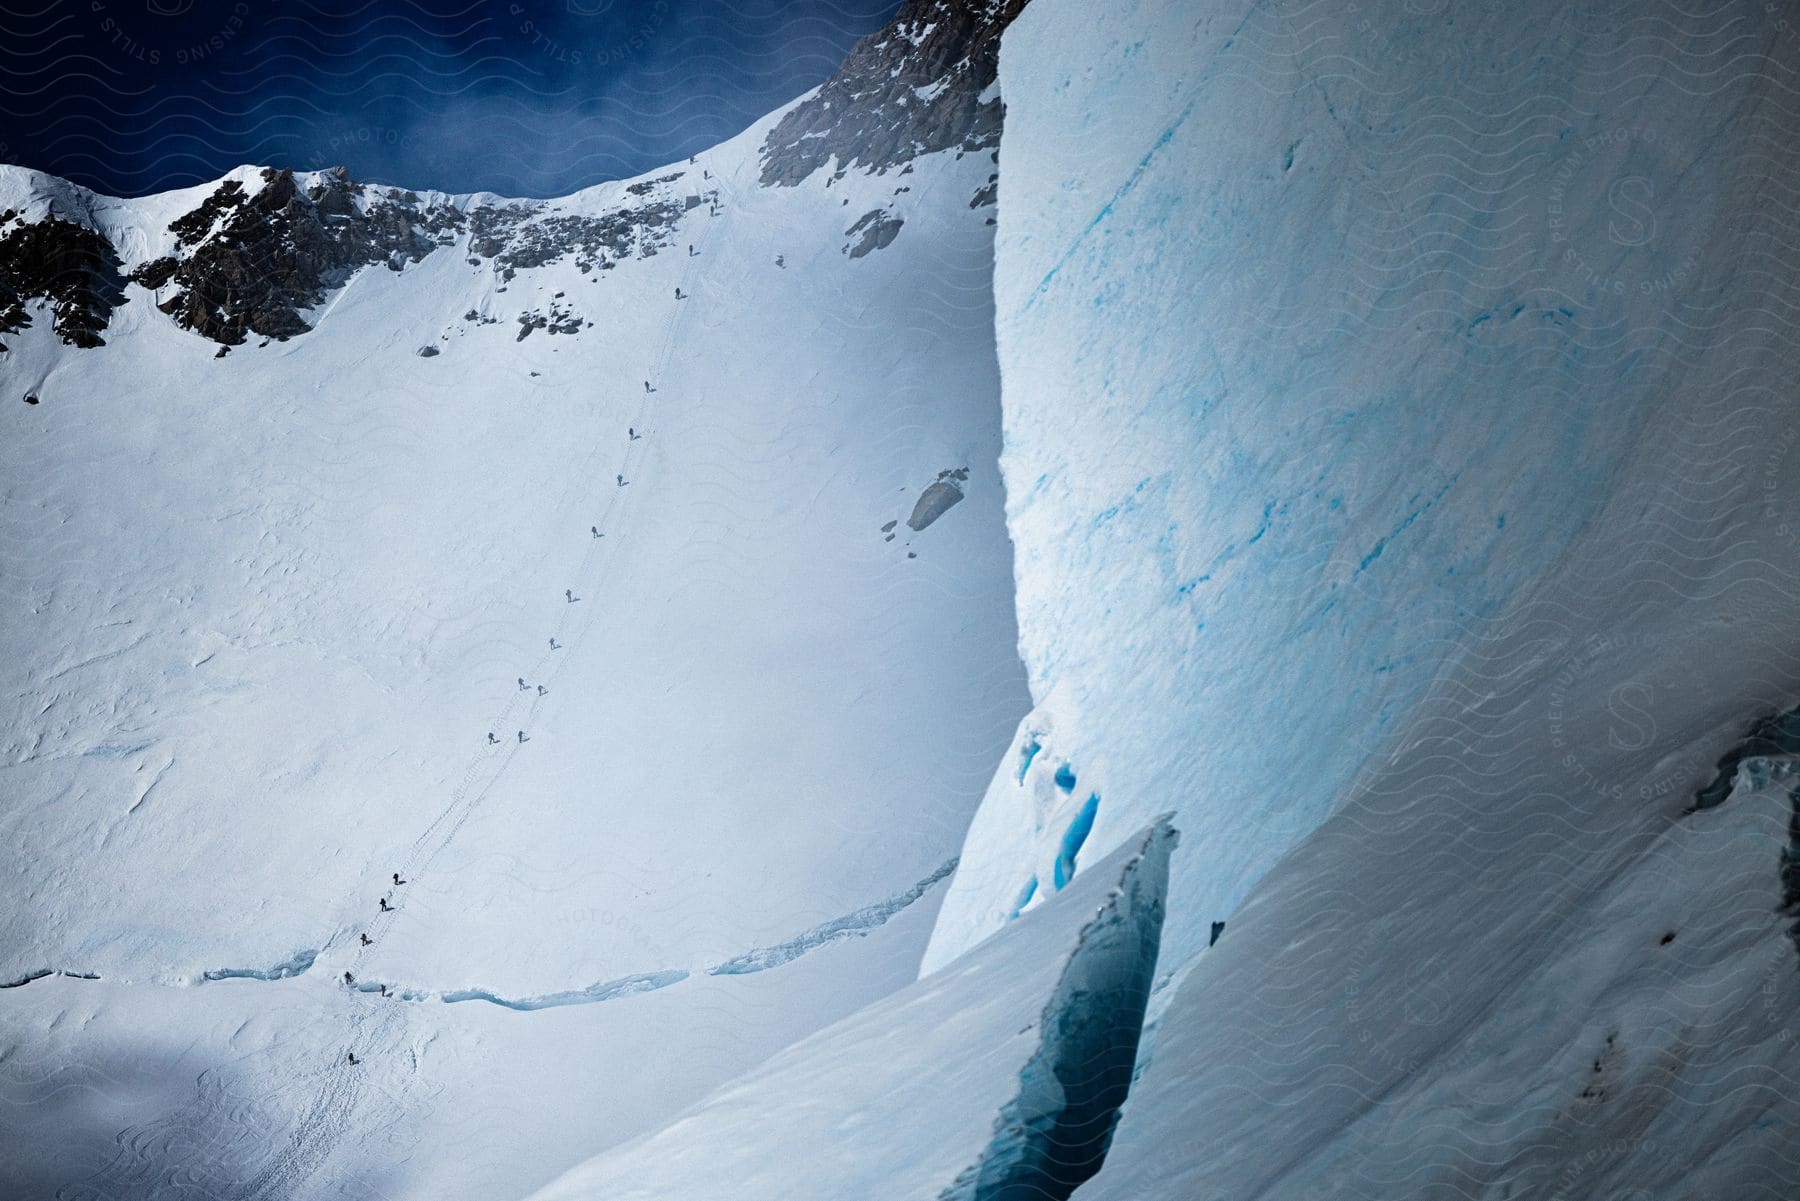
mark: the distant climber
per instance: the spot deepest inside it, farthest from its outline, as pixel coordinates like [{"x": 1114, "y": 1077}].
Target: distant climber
[
  {"x": 522, "y": 685},
  {"x": 647, "y": 388},
  {"x": 595, "y": 531},
  {"x": 569, "y": 594},
  {"x": 366, "y": 940},
  {"x": 353, "y": 1059},
  {"x": 781, "y": 261},
  {"x": 349, "y": 979},
  {"x": 383, "y": 990},
  {"x": 385, "y": 907},
  {"x": 542, "y": 690},
  {"x": 553, "y": 646},
  {"x": 522, "y": 737},
  {"x": 621, "y": 480},
  {"x": 397, "y": 880},
  {"x": 632, "y": 434},
  {"x": 678, "y": 293},
  {"x": 491, "y": 739},
  {"x": 690, "y": 250}
]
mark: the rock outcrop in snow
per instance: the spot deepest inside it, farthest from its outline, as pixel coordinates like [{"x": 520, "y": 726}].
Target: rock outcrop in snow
[
  {"x": 921, "y": 84},
  {"x": 66, "y": 265},
  {"x": 251, "y": 260}
]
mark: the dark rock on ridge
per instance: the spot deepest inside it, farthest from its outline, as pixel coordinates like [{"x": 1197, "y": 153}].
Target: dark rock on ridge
[
  {"x": 70, "y": 266},
  {"x": 911, "y": 88},
  {"x": 249, "y": 264}
]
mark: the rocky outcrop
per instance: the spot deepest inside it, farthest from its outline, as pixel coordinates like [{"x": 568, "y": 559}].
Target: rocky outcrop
[
  {"x": 521, "y": 236},
  {"x": 251, "y": 263},
  {"x": 938, "y": 499},
  {"x": 70, "y": 266},
  {"x": 923, "y": 83},
  {"x": 875, "y": 230},
  {"x": 261, "y": 251}
]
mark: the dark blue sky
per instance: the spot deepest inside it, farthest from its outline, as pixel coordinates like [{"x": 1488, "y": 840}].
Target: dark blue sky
[{"x": 520, "y": 97}]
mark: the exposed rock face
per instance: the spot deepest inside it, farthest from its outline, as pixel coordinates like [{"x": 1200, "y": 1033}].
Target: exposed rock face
[
  {"x": 250, "y": 263},
  {"x": 914, "y": 87},
  {"x": 938, "y": 499},
  {"x": 521, "y": 236},
  {"x": 874, "y": 231},
  {"x": 68, "y": 265}
]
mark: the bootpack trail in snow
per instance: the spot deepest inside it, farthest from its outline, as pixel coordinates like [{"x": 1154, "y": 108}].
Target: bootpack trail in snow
[
  {"x": 377, "y": 1032},
  {"x": 338, "y": 1097}
]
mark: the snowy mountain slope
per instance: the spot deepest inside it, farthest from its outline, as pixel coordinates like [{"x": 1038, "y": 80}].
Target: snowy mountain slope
[
  {"x": 1400, "y": 453},
  {"x": 1408, "y": 506},
  {"x": 273, "y": 578}
]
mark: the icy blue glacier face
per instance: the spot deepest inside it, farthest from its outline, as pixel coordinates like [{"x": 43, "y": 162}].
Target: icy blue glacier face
[
  {"x": 1402, "y": 468},
  {"x": 1328, "y": 341}
]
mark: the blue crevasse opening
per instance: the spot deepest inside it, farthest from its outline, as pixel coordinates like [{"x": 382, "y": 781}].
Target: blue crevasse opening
[
  {"x": 1065, "y": 778},
  {"x": 1027, "y": 753},
  {"x": 1072, "y": 839},
  {"x": 1025, "y": 895},
  {"x": 296, "y": 964},
  {"x": 624, "y": 986},
  {"x": 1055, "y": 1133}
]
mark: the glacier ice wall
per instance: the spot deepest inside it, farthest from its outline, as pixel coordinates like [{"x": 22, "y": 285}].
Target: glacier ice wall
[{"x": 1333, "y": 342}]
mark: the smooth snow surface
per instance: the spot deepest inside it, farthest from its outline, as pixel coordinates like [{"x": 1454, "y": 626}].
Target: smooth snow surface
[{"x": 263, "y": 612}]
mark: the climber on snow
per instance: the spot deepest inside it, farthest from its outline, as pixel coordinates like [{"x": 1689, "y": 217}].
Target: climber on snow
[
  {"x": 385, "y": 907},
  {"x": 353, "y": 1059},
  {"x": 397, "y": 880},
  {"x": 595, "y": 531},
  {"x": 491, "y": 739},
  {"x": 349, "y": 979},
  {"x": 569, "y": 593},
  {"x": 522, "y": 737},
  {"x": 632, "y": 433},
  {"x": 366, "y": 940},
  {"x": 621, "y": 480}
]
